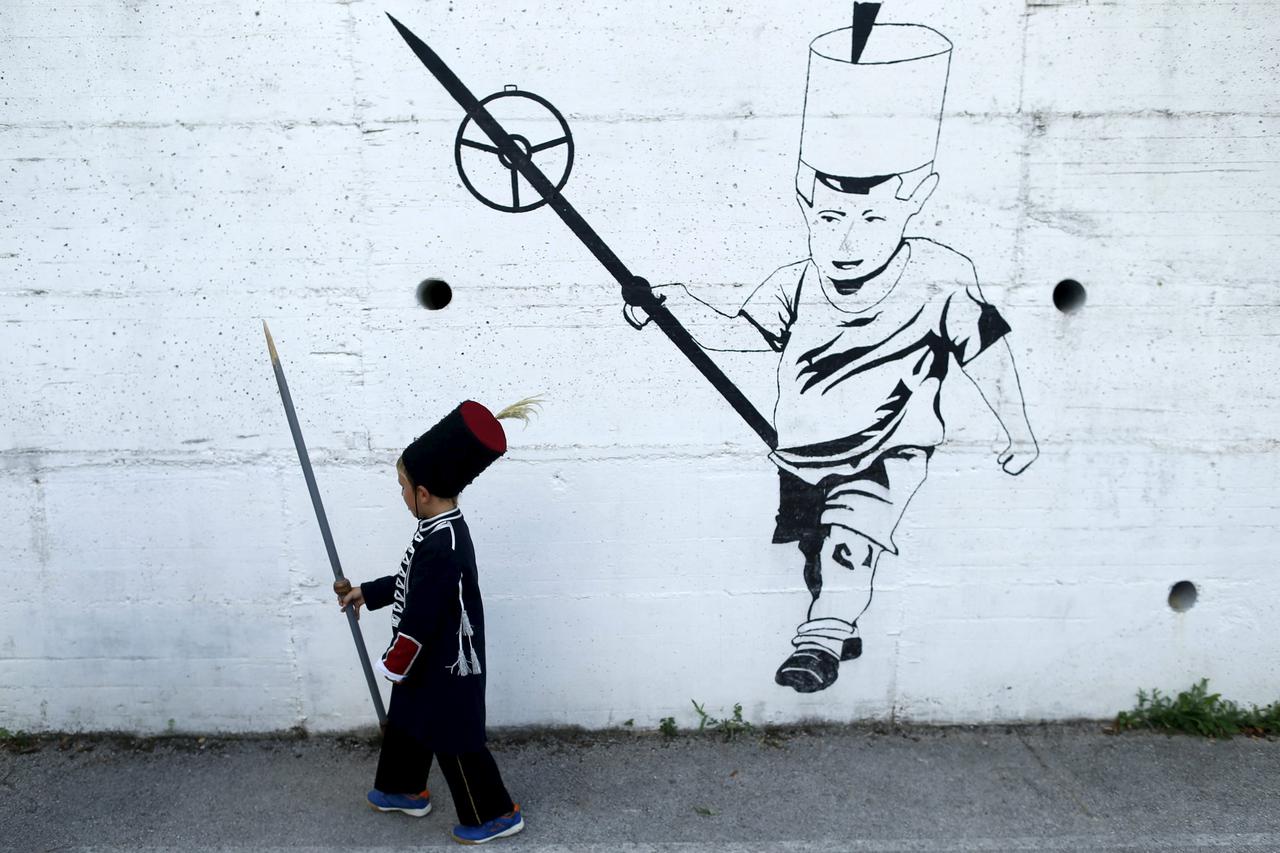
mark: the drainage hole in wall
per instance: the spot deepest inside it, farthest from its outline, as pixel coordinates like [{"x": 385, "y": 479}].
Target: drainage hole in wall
[
  {"x": 1068, "y": 296},
  {"x": 1182, "y": 596},
  {"x": 434, "y": 293}
]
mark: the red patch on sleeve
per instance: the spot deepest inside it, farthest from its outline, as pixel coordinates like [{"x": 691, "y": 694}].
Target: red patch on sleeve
[{"x": 402, "y": 654}]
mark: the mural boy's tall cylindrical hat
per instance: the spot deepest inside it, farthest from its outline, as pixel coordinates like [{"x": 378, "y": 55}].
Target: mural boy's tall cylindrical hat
[
  {"x": 877, "y": 116},
  {"x": 447, "y": 457}
]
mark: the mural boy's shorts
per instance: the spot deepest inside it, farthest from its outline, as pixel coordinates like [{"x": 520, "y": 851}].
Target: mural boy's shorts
[{"x": 870, "y": 502}]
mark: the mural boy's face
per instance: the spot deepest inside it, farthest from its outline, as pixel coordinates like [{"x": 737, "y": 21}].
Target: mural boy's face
[{"x": 853, "y": 235}]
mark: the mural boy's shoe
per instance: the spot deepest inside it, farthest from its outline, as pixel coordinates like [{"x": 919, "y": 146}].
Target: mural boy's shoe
[
  {"x": 500, "y": 827},
  {"x": 808, "y": 670},
  {"x": 415, "y": 805}
]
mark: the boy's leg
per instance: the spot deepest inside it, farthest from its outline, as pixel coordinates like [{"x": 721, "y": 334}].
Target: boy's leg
[
  {"x": 829, "y": 634},
  {"x": 403, "y": 763},
  {"x": 847, "y": 563},
  {"x": 858, "y": 518},
  {"x": 800, "y": 506},
  {"x": 476, "y": 785}
]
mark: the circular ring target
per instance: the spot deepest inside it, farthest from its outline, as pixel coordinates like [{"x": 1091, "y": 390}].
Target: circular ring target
[{"x": 540, "y": 132}]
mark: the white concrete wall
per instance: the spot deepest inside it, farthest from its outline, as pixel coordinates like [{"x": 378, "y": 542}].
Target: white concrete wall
[{"x": 173, "y": 174}]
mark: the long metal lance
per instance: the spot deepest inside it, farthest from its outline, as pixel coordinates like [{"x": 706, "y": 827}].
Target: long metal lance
[{"x": 305, "y": 460}]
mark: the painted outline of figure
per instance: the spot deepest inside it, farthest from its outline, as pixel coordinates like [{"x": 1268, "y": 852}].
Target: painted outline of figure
[{"x": 867, "y": 328}]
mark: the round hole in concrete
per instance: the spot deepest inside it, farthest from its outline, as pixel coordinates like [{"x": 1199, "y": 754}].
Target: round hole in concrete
[
  {"x": 434, "y": 293},
  {"x": 1182, "y": 596},
  {"x": 1068, "y": 296}
]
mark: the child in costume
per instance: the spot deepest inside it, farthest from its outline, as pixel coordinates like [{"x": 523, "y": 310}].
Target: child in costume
[
  {"x": 868, "y": 328},
  {"x": 436, "y": 659}
]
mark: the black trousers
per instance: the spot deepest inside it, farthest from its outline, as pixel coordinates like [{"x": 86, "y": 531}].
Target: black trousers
[{"x": 473, "y": 777}]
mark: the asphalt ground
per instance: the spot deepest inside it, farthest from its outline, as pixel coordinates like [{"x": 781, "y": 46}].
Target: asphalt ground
[{"x": 1060, "y": 787}]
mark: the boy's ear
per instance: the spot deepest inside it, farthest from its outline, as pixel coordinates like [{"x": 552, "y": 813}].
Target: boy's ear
[{"x": 923, "y": 191}]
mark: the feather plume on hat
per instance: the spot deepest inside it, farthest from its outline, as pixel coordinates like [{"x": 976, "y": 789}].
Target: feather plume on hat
[{"x": 522, "y": 410}]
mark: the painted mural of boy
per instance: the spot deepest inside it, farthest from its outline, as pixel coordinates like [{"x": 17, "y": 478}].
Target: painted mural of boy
[{"x": 868, "y": 328}]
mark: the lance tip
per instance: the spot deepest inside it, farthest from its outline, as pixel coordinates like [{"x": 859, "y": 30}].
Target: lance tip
[
  {"x": 864, "y": 18},
  {"x": 271, "y": 344}
]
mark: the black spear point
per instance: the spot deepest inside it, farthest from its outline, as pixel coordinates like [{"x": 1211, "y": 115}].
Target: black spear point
[{"x": 864, "y": 16}]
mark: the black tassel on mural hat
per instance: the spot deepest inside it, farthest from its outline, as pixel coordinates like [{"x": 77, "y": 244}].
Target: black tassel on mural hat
[{"x": 447, "y": 457}]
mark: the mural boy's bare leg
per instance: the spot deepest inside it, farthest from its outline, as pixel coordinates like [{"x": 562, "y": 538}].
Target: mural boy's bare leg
[
  {"x": 857, "y": 518},
  {"x": 847, "y": 564},
  {"x": 839, "y": 573}
]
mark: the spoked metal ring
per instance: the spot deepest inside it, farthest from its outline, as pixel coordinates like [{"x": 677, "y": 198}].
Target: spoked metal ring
[{"x": 493, "y": 178}]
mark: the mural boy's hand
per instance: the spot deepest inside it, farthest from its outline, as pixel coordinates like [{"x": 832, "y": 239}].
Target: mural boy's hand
[
  {"x": 638, "y": 294},
  {"x": 1019, "y": 455}
]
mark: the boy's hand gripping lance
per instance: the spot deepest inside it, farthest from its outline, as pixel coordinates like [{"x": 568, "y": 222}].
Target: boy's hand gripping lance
[
  {"x": 340, "y": 580},
  {"x": 515, "y": 153}
]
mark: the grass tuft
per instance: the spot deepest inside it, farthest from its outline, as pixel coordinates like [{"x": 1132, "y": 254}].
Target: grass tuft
[
  {"x": 729, "y": 728},
  {"x": 1197, "y": 711}
]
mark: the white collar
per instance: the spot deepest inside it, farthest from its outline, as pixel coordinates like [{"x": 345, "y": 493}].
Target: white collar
[{"x": 440, "y": 518}]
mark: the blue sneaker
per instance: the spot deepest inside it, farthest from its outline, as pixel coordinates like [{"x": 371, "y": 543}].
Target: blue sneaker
[
  {"x": 500, "y": 827},
  {"x": 415, "y": 805}
]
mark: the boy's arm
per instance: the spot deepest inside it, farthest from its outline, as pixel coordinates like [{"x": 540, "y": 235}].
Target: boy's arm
[
  {"x": 711, "y": 328},
  {"x": 995, "y": 376},
  {"x": 379, "y": 593},
  {"x": 432, "y": 589},
  {"x": 978, "y": 333}
]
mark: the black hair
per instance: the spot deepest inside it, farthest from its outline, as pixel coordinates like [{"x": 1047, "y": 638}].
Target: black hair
[
  {"x": 413, "y": 486},
  {"x": 857, "y": 186}
]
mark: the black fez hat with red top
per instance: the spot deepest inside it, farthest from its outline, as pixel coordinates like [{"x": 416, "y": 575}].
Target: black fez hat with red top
[{"x": 447, "y": 457}]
